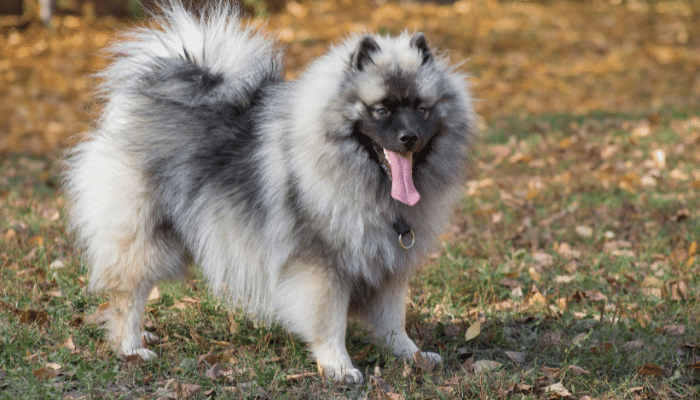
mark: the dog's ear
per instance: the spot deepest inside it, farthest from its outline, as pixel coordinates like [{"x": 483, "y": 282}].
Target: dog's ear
[
  {"x": 419, "y": 43},
  {"x": 363, "y": 52}
]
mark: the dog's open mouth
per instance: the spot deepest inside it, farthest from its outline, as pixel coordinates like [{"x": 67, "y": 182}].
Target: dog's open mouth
[{"x": 399, "y": 167}]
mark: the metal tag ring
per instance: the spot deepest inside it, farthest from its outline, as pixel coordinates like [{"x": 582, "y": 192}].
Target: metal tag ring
[{"x": 413, "y": 240}]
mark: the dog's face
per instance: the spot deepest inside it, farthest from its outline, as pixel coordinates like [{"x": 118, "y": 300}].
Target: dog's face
[{"x": 396, "y": 108}]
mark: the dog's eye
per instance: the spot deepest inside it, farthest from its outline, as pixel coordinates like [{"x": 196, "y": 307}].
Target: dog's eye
[
  {"x": 423, "y": 111},
  {"x": 380, "y": 112}
]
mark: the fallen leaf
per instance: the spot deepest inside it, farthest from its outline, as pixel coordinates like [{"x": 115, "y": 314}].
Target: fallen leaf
[
  {"x": 557, "y": 390},
  {"x": 483, "y": 366},
  {"x": 674, "y": 330},
  {"x": 552, "y": 373},
  {"x": 380, "y": 384},
  {"x": 68, "y": 344},
  {"x": 40, "y": 318},
  {"x": 516, "y": 356},
  {"x": 468, "y": 366},
  {"x": 215, "y": 372},
  {"x": 651, "y": 370},
  {"x": 45, "y": 373},
  {"x": 678, "y": 290},
  {"x": 422, "y": 363},
  {"x": 473, "y": 331},
  {"x": 578, "y": 370},
  {"x": 601, "y": 348},
  {"x": 37, "y": 241}
]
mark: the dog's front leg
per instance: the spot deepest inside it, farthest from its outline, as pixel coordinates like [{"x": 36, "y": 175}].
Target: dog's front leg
[
  {"x": 385, "y": 313},
  {"x": 311, "y": 302}
]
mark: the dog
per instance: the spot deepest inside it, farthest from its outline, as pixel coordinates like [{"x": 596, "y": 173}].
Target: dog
[{"x": 306, "y": 202}]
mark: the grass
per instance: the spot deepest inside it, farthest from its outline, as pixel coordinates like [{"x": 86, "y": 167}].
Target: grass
[{"x": 573, "y": 248}]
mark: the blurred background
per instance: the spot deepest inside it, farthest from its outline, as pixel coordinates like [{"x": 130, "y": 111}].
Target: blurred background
[{"x": 524, "y": 57}]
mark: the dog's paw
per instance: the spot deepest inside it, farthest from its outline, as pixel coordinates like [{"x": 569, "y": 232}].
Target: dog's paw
[
  {"x": 145, "y": 354},
  {"x": 434, "y": 358},
  {"x": 148, "y": 337},
  {"x": 350, "y": 376}
]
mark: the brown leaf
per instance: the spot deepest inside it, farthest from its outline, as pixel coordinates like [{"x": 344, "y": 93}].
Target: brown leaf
[
  {"x": 651, "y": 370},
  {"x": 521, "y": 388},
  {"x": 509, "y": 282},
  {"x": 422, "y": 363},
  {"x": 380, "y": 384},
  {"x": 131, "y": 359},
  {"x": 40, "y": 318},
  {"x": 678, "y": 290},
  {"x": 231, "y": 324},
  {"x": 210, "y": 358},
  {"x": 674, "y": 330},
  {"x": 468, "y": 366},
  {"x": 552, "y": 373},
  {"x": 578, "y": 370},
  {"x": 596, "y": 295},
  {"x": 45, "y": 373},
  {"x": 601, "y": 348}
]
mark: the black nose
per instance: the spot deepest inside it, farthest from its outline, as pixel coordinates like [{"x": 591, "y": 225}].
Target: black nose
[{"x": 408, "y": 139}]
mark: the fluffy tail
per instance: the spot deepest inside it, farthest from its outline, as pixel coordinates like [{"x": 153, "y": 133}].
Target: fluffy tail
[{"x": 192, "y": 60}]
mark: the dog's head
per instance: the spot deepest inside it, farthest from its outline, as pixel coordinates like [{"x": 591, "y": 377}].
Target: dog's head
[{"x": 395, "y": 90}]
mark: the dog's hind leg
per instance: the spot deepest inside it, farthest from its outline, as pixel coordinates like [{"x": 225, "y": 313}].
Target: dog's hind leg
[
  {"x": 154, "y": 255},
  {"x": 385, "y": 314},
  {"x": 311, "y": 303},
  {"x": 129, "y": 245}
]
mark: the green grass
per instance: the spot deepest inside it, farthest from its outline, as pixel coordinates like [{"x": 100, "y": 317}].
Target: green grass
[{"x": 563, "y": 255}]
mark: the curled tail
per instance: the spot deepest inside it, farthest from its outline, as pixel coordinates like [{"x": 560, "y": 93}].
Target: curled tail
[{"x": 192, "y": 60}]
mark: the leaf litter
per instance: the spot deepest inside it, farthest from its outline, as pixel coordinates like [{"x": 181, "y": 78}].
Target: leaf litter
[{"x": 530, "y": 192}]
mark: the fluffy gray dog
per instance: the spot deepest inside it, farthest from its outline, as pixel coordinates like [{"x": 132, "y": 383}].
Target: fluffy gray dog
[{"x": 307, "y": 202}]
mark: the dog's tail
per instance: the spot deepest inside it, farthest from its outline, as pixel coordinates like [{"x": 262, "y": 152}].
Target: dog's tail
[{"x": 192, "y": 60}]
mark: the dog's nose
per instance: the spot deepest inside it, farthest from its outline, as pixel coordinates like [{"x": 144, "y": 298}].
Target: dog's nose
[{"x": 408, "y": 139}]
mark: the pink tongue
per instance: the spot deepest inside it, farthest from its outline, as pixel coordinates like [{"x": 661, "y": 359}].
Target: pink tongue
[{"x": 402, "y": 188}]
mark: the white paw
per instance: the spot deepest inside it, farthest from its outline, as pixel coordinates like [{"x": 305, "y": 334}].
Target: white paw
[
  {"x": 350, "y": 376},
  {"x": 148, "y": 337},
  {"x": 432, "y": 357},
  {"x": 145, "y": 354}
]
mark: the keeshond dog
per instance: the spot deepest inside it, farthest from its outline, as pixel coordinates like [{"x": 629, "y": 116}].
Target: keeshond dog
[{"x": 305, "y": 202}]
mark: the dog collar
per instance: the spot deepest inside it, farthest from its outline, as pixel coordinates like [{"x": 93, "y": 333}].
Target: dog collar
[{"x": 402, "y": 229}]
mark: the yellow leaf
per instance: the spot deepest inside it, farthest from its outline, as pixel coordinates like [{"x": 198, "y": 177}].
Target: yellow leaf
[
  {"x": 557, "y": 390},
  {"x": 37, "y": 241},
  {"x": 485, "y": 366},
  {"x": 473, "y": 331}
]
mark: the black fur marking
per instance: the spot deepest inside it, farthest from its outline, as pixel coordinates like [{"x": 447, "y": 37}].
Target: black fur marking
[
  {"x": 180, "y": 81},
  {"x": 363, "y": 53},
  {"x": 204, "y": 148},
  {"x": 419, "y": 42}
]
